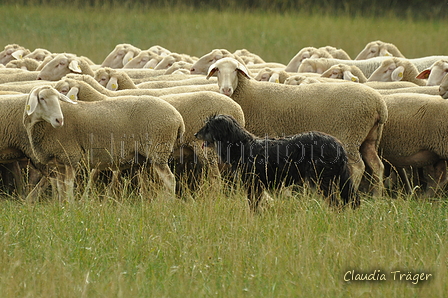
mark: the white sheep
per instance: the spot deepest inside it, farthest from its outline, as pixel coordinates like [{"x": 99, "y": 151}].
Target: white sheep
[
  {"x": 202, "y": 65},
  {"x": 429, "y": 90},
  {"x": 345, "y": 72},
  {"x": 14, "y": 145},
  {"x": 106, "y": 134},
  {"x": 24, "y": 86},
  {"x": 120, "y": 55},
  {"x": 353, "y": 113},
  {"x": 179, "y": 66},
  {"x": 144, "y": 59},
  {"x": 306, "y": 53},
  {"x": 194, "y": 107},
  {"x": 435, "y": 73},
  {"x": 25, "y": 64},
  {"x": 63, "y": 64},
  {"x": 367, "y": 66},
  {"x": 301, "y": 79},
  {"x": 416, "y": 135},
  {"x": 379, "y": 48},
  {"x": 169, "y": 60},
  {"x": 336, "y": 53},
  {"x": 396, "y": 69},
  {"x": 268, "y": 74},
  {"x": 159, "y": 50},
  {"x": 248, "y": 57},
  {"x": 12, "y": 52},
  {"x": 38, "y": 54}
]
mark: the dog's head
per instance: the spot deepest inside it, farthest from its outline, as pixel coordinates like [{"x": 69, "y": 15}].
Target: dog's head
[{"x": 218, "y": 128}]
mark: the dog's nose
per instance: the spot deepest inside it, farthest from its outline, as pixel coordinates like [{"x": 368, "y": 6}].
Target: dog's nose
[{"x": 196, "y": 135}]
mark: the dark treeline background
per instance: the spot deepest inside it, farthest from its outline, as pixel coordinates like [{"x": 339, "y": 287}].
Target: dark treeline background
[{"x": 433, "y": 9}]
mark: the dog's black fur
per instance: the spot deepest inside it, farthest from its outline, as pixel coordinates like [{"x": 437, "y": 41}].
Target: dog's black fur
[{"x": 269, "y": 163}]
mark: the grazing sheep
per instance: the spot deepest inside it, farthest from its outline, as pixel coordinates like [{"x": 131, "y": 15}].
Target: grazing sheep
[
  {"x": 161, "y": 51},
  {"x": 179, "y": 66},
  {"x": 63, "y": 64},
  {"x": 336, "y": 53},
  {"x": 272, "y": 75},
  {"x": 131, "y": 131},
  {"x": 120, "y": 55},
  {"x": 345, "y": 72},
  {"x": 12, "y": 52},
  {"x": 269, "y": 163},
  {"x": 353, "y": 113},
  {"x": 169, "y": 60},
  {"x": 435, "y": 73},
  {"x": 301, "y": 79},
  {"x": 113, "y": 79},
  {"x": 38, "y": 54},
  {"x": 306, "y": 53},
  {"x": 202, "y": 65},
  {"x": 144, "y": 59},
  {"x": 367, "y": 66},
  {"x": 396, "y": 69},
  {"x": 416, "y": 135},
  {"x": 25, "y": 64},
  {"x": 194, "y": 107},
  {"x": 248, "y": 57},
  {"x": 378, "y": 49}
]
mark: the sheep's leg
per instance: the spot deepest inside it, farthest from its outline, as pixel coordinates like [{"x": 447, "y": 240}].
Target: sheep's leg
[
  {"x": 35, "y": 192},
  {"x": 437, "y": 177},
  {"x": 369, "y": 152},
  {"x": 168, "y": 178},
  {"x": 357, "y": 168},
  {"x": 404, "y": 179}
]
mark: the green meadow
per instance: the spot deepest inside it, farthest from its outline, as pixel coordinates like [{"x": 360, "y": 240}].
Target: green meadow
[{"x": 207, "y": 243}]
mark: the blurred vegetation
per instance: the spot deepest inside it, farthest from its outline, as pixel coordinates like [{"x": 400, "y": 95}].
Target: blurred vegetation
[{"x": 431, "y": 9}]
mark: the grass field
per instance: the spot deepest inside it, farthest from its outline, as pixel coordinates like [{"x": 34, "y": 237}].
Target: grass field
[{"x": 209, "y": 244}]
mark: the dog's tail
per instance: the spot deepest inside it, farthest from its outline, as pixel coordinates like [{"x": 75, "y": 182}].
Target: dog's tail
[{"x": 348, "y": 193}]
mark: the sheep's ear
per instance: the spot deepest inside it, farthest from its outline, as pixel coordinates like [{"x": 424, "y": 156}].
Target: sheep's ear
[
  {"x": 18, "y": 54},
  {"x": 112, "y": 84},
  {"x": 66, "y": 99},
  {"x": 128, "y": 57},
  {"x": 348, "y": 76},
  {"x": 72, "y": 94},
  {"x": 242, "y": 69},
  {"x": 397, "y": 74},
  {"x": 31, "y": 103},
  {"x": 424, "y": 74},
  {"x": 74, "y": 66},
  {"x": 211, "y": 71},
  {"x": 275, "y": 78}
]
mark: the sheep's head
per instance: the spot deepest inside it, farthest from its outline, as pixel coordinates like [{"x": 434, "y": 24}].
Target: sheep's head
[
  {"x": 108, "y": 77},
  {"x": 122, "y": 54},
  {"x": 203, "y": 64},
  {"x": 390, "y": 70},
  {"x": 227, "y": 70},
  {"x": 342, "y": 72},
  {"x": 435, "y": 73},
  {"x": 43, "y": 105},
  {"x": 378, "y": 49},
  {"x": 59, "y": 66},
  {"x": 145, "y": 59}
]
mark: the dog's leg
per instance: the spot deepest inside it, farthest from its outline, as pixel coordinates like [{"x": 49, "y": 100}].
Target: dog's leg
[{"x": 254, "y": 194}]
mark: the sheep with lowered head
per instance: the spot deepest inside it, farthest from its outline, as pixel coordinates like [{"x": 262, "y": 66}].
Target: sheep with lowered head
[
  {"x": 396, "y": 69},
  {"x": 105, "y": 134},
  {"x": 12, "y": 52},
  {"x": 353, "y": 113},
  {"x": 345, "y": 72},
  {"x": 306, "y": 53},
  {"x": 63, "y": 64},
  {"x": 379, "y": 48},
  {"x": 25, "y": 63},
  {"x": 202, "y": 65},
  {"x": 120, "y": 55}
]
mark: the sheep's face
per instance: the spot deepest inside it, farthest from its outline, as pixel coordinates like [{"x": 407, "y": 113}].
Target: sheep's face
[
  {"x": 102, "y": 77},
  {"x": 437, "y": 73},
  {"x": 226, "y": 70},
  {"x": 58, "y": 67},
  {"x": 388, "y": 71}
]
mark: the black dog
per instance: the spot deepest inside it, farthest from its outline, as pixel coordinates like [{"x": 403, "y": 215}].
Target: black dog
[{"x": 268, "y": 162}]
